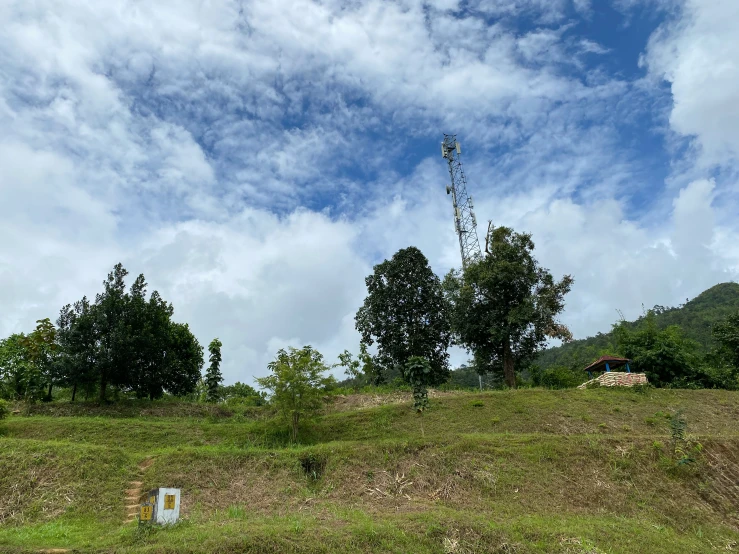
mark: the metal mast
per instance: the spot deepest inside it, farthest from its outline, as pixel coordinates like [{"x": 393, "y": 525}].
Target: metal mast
[{"x": 464, "y": 218}]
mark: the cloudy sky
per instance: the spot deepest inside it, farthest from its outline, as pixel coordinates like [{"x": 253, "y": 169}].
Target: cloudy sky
[{"x": 255, "y": 159}]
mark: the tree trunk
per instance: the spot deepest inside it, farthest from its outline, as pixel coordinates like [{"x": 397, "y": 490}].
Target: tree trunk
[
  {"x": 296, "y": 417},
  {"x": 74, "y": 391},
  {"x": 103, "y": 385},
  {"x": 509, "y": 373}
]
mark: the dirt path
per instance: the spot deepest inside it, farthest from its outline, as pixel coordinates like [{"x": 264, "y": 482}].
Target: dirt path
[{"x": 134, "y": 492}]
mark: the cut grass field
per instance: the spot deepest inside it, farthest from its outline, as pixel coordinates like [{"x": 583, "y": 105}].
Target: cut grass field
[{"x": 518, "y": 471}]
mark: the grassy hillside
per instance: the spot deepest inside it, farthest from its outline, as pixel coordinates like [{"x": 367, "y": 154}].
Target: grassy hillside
[
  {"x": 696, "y": 317},
  {"x": 515, "y": 471}
]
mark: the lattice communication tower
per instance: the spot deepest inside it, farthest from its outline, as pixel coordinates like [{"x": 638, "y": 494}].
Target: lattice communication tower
[{"x": 464, "y": 217}]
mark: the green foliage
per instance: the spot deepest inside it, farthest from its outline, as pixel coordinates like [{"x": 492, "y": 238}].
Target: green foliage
[
  {"x": 242, "y": 394},
  {"x": 297, "y": 384},
  {"x": 681, "y": 452},
  {"x": 419, "y": 376},
  {"x": 360, "y": 371},
  {"x": 504, "y": 306},
  {"x": 121, "y": 340},
  {"x": 4, "y": 410},
  {"x": 558, "y": 377},
  {"x": 17, "y": 375},
  {"x": 726, "y": 334},
  {"x": 696, "y": 318},
  {"x": 406, "y": 314},
  {"x": 213, "y": 377},
  {"x": 29, "y": 363},
  {"x": 665, "y": 355}
]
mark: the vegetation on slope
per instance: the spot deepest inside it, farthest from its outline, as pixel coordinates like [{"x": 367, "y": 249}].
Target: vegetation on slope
[
  {"x": 509, "y": 471},
  {"x": 696, "y": 319}
]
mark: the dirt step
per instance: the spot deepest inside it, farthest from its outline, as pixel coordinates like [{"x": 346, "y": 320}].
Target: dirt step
[{"x": 143, "y": 466}]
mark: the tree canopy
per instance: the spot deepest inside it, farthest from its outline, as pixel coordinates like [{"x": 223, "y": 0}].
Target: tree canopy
[
  {"x": 213, "y": 377},
  {"x": 297, "y": 384},
  {"x": 122, "y": 339},
  {"x": 696, "y": 318},
  {"x": 665, "y": 355},
  {"x": 505, "y": 305},
  {"x": 406, "y": 314}
]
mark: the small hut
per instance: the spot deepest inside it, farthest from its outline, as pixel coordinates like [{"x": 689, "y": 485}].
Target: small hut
[
  {"x": 607, "y": 364},
  {"x": 607, "y": 377}
]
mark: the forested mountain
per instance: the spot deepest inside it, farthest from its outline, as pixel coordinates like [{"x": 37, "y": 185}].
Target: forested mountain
[{"x": 696, "y": 318}]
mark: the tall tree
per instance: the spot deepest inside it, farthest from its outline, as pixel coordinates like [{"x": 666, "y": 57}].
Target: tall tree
[
  {"x": 154, "y": 344},
  {"x": 15, "y": 367},
  {"x": 505, "y": 305},
  {"x": 112, "y": 336},
  {"x": 41, "y": 347},
  {"x": 665, "y": 355},
  {"x": 184, "y": 360},
  {"x": 297, "y": 384},
  {"x": 213, "y": 377},
  {"x": 405, "y": 312}
]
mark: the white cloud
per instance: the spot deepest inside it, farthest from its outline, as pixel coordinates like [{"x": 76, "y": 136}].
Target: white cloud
[
  {"x": 698, "y": 54},
  {"x": 255, "y": 162}
]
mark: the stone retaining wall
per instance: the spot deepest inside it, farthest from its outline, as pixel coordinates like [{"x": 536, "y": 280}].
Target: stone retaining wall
[{"x": 617, "y": 379}]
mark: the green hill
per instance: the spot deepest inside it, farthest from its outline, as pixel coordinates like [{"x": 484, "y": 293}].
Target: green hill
[
  {"x": 527, "y": 471},
  {"x": 696, "y": 318}
]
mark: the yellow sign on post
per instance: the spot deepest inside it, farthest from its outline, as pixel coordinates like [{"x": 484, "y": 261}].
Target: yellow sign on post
[
  {"x": 169, "y": 500},
  {"x": 145, "y": 513}
]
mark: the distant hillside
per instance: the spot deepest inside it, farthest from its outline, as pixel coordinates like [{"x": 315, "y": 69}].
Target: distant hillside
[{"x": 696, "y": 318}]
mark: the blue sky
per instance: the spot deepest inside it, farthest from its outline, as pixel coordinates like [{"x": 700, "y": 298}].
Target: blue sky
[{"x": 255, "y": 159}]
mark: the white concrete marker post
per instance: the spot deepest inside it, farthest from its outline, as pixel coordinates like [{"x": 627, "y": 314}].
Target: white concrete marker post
[{"x": 166, "y": 504}]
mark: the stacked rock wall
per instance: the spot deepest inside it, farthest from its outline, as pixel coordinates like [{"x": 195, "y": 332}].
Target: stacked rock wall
[{"x": 617, "y": 379}]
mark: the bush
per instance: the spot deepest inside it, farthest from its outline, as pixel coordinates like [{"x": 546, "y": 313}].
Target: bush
[
  {"x": 561, "y": 378},
  {"x": 4, "y": 410}
]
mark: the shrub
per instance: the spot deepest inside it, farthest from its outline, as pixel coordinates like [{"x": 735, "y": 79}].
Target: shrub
[
  {"x": 560, "y": 377},
  {"x": 4, "y": 411}
]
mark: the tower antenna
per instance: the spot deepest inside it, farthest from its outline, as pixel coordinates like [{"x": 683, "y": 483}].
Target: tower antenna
[{"x": 465, "y": 223}]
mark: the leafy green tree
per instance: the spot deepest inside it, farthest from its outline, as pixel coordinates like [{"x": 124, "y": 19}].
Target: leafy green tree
[
  {"x": 406, "y": 314},
  {"x": 154, "y": 353},
  {"x": 183, "y": 362},
  {"x": 42, "y": 351},
  {"x": 213, "y": 377},
  {"x": 418, "y": 370},
  {"x": 241, "y": 393},
  {"x": 359, "y": 371},
  {"x": 665, "y": 355},
  {"x": 15, "y": 367},
  {"x": 726, "y": 334},
  {"x": 127, "y": 340},
  {"x": 76, "y": 335},
  {"x": 696, "y": 318},
  {"x": 505, "y": 305},
  {"x": 297, "y": 384},
  {"x": 122, "y": 339},
  {"x": 112, "y": 338}
]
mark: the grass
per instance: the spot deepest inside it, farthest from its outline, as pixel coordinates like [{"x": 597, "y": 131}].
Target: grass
[{"x": 517, "y": 471}]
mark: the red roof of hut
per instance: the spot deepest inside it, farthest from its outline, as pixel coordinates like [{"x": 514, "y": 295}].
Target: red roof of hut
[{"x": 612, "y": 361}]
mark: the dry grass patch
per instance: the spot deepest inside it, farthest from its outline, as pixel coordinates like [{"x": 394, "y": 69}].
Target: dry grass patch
[{"x": 41, "y": 482}]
